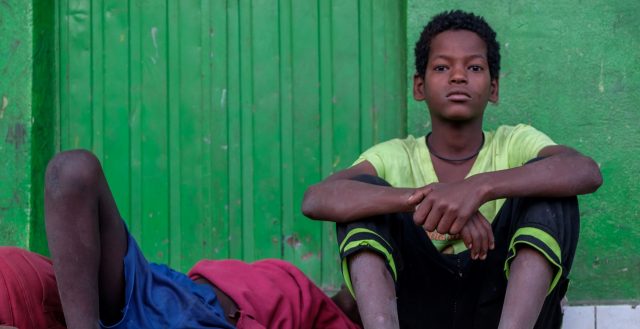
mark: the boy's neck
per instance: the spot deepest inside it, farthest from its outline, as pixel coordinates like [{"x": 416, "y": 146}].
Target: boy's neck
[{"x": 455, "y": 140}]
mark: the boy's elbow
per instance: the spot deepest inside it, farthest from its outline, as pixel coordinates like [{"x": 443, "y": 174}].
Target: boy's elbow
[
  {"x": 595, "y": 177},
  {"x": 314, "y": 205},
  {"x": 597, "y": 180},
  {"x": 309, "y": 208}
]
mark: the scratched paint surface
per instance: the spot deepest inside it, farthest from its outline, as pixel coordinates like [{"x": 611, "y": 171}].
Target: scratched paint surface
[
  {"x": 212, "y": 117},
  {"x": 43, "y": 119},
  {"x": 570, "y": 68},
  {"x": 15, "y": 115}
]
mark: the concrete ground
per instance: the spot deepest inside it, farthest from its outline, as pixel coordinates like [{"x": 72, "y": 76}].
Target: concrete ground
[{"x": 602, "y": 317}]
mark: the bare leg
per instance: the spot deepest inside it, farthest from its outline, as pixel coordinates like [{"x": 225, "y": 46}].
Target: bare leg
[
  {"x": 86, "y": 238},
  {"x": 375, "y": 291},
  {"x": 527, "y": 289}
]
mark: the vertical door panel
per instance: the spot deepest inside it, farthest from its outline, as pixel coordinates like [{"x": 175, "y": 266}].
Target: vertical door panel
[{"x": 211, "y": 118}]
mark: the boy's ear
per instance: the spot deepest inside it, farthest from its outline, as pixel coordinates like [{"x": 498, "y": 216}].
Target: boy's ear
[
  {"x": 418, "y": 87},
  {"x": 495, "y": 88}
]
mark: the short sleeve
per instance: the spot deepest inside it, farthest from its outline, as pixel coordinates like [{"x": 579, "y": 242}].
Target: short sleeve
[
  {"x": 525, "y": 142},
  {"x": 377, "y": 155}
]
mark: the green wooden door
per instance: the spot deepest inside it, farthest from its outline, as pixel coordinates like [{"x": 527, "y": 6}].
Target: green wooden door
[{"x": 212, "y": 117}]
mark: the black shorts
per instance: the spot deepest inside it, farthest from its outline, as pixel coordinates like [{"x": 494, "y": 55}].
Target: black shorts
[{"x": 452, "y": 291}]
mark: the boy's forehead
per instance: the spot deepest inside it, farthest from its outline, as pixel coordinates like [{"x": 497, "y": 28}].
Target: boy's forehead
[{"x": 459, "y": 43}]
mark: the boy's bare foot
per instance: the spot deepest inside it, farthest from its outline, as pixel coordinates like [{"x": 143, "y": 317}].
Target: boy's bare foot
[{"x": 347, "y": 304}]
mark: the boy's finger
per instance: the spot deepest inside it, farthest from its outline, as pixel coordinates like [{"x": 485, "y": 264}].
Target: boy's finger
[
  {"x": 487, "y": 228},
  {"x": 420, "y": 194},
  {"x": 445, "y": 222},
  {"x": 415, "y": 197},
  {"x": 479, "y": 240},
  {"x": 433, "y": 219},
  {"x": 421, "y": 212},
  {"x": 458, "y": 224},
  {"x": 476, "y": 237},
  {"x": 466, "y": 237},
  {"x": 485, "y": 237}
]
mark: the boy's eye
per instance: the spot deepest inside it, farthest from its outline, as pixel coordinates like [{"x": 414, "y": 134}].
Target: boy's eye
[
  {"x": 476, "y": 68},
  {"x": 440, "y": 68}
]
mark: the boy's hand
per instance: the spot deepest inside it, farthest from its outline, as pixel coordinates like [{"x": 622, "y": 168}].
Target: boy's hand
[
  {"x": 478, "y": 236},
  {"x": 453, "y": 208},
  {"x": 445, "y": 207}
]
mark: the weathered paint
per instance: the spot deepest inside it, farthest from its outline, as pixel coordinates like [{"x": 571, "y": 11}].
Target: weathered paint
[
  {"x": 27, "y": 91},
  {"x": 16, "y": 65},
  {"x": 570, "y": 68},
  {"x": 212, "y": 117},
  {"x": 44, "y": 125}
]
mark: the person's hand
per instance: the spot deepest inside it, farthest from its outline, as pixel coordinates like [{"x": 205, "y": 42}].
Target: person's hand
[
  {"x": 478, "y": 236},
  {"x": 417, "y": 196},
  {"x": 445, "y": 207},
  {"x": 453, "y": 208}
]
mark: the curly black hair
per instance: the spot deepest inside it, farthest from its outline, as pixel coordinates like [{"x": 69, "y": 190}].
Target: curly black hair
[{"x": 457, "y": 20}]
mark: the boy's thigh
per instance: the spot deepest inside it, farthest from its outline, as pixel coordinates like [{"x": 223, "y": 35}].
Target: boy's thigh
[
  {"x": 549, "y": 225},
  {"x": 156, "y": 296}
]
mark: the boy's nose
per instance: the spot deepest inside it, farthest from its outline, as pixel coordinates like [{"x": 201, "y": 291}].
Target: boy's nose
[{"x": 458, "y": 75}]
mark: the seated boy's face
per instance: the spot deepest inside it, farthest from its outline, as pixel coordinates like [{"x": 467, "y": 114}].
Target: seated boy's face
[{"x": 457, "y": 84}]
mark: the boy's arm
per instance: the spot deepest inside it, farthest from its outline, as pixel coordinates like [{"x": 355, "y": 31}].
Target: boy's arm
[
  {"x": 562, "y": 172},
  {"x": 340, "y": 199}
]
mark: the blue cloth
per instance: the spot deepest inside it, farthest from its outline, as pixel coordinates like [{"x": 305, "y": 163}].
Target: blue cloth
[{"x": 158, "y": 297}]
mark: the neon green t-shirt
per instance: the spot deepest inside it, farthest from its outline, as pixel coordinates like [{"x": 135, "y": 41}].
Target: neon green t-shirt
[{"x": 407, "y": 163}]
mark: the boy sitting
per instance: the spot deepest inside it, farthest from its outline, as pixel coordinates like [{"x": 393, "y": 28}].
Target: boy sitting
[{"x": 453, "y": 229}]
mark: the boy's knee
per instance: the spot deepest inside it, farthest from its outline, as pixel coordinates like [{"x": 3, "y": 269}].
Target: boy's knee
[
  {"x": 370, "y": 179},
  {"x": 548, "y": 228},
  {"x": 72, "y": 170},
  {"x": 561, "y": 215}
]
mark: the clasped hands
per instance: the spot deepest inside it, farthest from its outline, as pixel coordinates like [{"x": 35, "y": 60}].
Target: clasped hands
[{"x": 452, "y": 208}]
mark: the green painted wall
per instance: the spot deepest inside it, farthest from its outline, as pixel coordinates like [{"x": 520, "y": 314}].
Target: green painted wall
[
  {"x": 26, "y": 99},
  {"x": 15, "y": 111},
  {"x": 571, "y": 69}
]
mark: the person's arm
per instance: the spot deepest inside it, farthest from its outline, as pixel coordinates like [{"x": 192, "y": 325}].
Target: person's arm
[
  {"x": 340, "y": 199},
  {"x": 562, "y": 172}
]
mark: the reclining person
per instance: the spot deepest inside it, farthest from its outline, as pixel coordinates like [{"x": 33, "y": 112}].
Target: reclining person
[{"x": 105, "y": 281}]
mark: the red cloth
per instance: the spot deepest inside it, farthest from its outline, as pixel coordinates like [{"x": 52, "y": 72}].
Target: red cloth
[
  {"x": 273, "y": 294},
  {"x": 28, "y": 292},
  {"x": 269, "y": 293}
]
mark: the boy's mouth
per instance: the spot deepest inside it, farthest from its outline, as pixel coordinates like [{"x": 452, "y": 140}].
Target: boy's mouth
[{"x": 458, "y": 96}]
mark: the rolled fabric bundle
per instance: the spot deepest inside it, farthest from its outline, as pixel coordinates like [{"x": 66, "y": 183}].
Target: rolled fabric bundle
[{"x": 28, "y": 292}]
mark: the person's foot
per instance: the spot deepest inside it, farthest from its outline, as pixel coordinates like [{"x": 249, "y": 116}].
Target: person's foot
[{"x": 347, "y": 304}]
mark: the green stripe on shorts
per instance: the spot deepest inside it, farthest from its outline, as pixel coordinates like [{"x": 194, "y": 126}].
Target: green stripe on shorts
[
  {"x": 544, "y": 238},
  {"x": 372, "y": 244}
]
